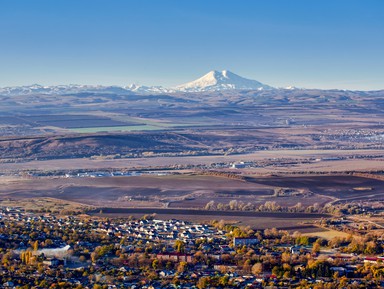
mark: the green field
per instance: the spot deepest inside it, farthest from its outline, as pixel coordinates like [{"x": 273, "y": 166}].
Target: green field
[
  {"x": 142, "y": 125},
  {"x": 116, "y": 128},
  {"x": 161, "y": 123}
]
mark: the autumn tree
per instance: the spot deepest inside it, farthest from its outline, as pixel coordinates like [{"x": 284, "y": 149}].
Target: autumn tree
[
  {"x": 155, "y": 264},
  {"x": 179, "y": 246},
  {"x": 316, "y": 248},
  {"x": 36, "y": 246},
  {"x": 257, "y": 268},
  {"x": 182, "y": 267}
]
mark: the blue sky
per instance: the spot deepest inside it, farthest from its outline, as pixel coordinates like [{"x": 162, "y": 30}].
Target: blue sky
[{"x": 306, "y": 43}]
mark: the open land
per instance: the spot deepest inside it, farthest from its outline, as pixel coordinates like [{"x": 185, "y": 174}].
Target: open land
[
  {"x": 249, "y": 152},
  {"x": 265, "y": 162},
  {"x": 186, "y": 196},
  {"x": 192, "y": 191},
  {"x": 257, "y": 221}
]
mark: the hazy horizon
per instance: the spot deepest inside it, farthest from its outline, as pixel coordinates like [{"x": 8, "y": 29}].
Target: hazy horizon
[{"x": 172, "y": 87}]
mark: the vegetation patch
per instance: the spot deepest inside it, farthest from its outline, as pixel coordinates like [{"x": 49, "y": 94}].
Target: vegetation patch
[
  {"x": 363, "y": 189},
  {"x": 50, "y": 205}
]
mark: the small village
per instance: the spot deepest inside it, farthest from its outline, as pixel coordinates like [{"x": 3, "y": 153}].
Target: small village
[{"x": 43, "y": 250}]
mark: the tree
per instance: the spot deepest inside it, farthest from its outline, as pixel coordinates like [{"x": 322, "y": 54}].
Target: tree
[
  {"x": 155, "y": 264},
  {"x": 203, "y": 282},
  {"x": 22, "y": 257},
  {"x": 276, "y": 271},
  {"x": 286, "y": 257},
  {"x": 210, "y": 205},
  {"x": 247, "y": 266},
  {"x": 43, "y": 284},
  {"x": 94, "y": 257},
  {"x": 179, "y": 246},
  {"x": 224, "y": 280},
  {"x": 36, "y": 246},
  {"x": 257, "y": 269},
  {"x": 168, "y": 265},
  {"x": 27, "y": 256},
  {"x": 372, "y": 248},
  {"x": 302, "y": 240},
  {"x": 233, "y": 205},
  {"x": 316, "y": 248},
  {"x": 182, "y": 267}
]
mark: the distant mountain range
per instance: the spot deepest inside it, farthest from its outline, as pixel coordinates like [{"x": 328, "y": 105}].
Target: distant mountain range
[
  {"x": 214, "y": 82},
  {"x": 210, "y": 82}
]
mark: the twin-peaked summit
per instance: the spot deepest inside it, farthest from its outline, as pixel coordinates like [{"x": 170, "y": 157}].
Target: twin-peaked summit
[{"x": 221, "y": 80}]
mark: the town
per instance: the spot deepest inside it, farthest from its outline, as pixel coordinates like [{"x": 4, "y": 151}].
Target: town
[
  {"x": 191, "y": 144},
  {"x": 56, "y": 251}
]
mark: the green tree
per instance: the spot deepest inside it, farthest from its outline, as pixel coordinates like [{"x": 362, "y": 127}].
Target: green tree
[{"x": 224, "y": 280}]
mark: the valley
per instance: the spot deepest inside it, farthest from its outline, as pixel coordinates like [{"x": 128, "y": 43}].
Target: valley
[
  {"x": 222, "y": 144},
  {"x": 132, "y": 156}
]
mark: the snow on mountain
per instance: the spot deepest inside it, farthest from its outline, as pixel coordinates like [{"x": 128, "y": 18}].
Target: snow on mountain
[
  {"x": 212, "y": 81},
  {"x": 224, "y": 80},
  {"x": 148, "y": 89},
  {"x": 61, "y": 89},
  {"x": 76, "y": 89},
  {"x": 291, "y": 87}
]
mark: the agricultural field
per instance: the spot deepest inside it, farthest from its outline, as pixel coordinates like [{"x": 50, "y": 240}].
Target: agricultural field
[
  {"x": 89, "y": 123},
  {"x": 114, "y": 128},
  {"x": 267, "y": 162},
  {"x": 74, "y": 121},
  {"x": 189, "y": 194},
  {"x": 326, "y": 234},
  {"x": 258, "y": 220},
  {"x": 292, "y": 156},
  {"x": 340, "y": 187},
  {"x": 47, "y": 204}
]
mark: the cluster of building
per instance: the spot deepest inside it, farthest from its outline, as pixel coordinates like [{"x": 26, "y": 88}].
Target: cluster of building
[
  {"x": 82, "y": 252},
  {"x": 158, "y": 230}
]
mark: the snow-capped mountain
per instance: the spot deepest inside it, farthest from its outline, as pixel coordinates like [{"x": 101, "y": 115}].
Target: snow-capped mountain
[
  {"x": 77, "y": 89},
  {"x": 221, "y": 80},
  {"x": 212, "y": 81},
  {"x": 148, "y": 89},
  {"x": 291, "y": 87},
  {"x": 62, "y": 89}
]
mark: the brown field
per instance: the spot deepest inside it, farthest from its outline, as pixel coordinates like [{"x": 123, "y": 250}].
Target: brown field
[
  {"x": 256, "y": 220},
  {"x": 170, "y": 196},
  {"x": 326, "y": 234},
  {"x": 233, "y": 214},
  {"x": 323, "y": 166},
  {"x": 190, "y": 191},
  {"x": 283, "y": 133},
  {"x": 342, "y": 187},
  {"x": 48, "y": 204},
  {"x": 107, "y": 191}
]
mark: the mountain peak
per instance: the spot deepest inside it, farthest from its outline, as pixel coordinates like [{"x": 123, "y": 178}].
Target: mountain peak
[
  {"x": 227, "y": 73},
  {"x": 221, "y": 80},
  {"x": 212, "y": 81},
  {"x": 218, "y": 74}
]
